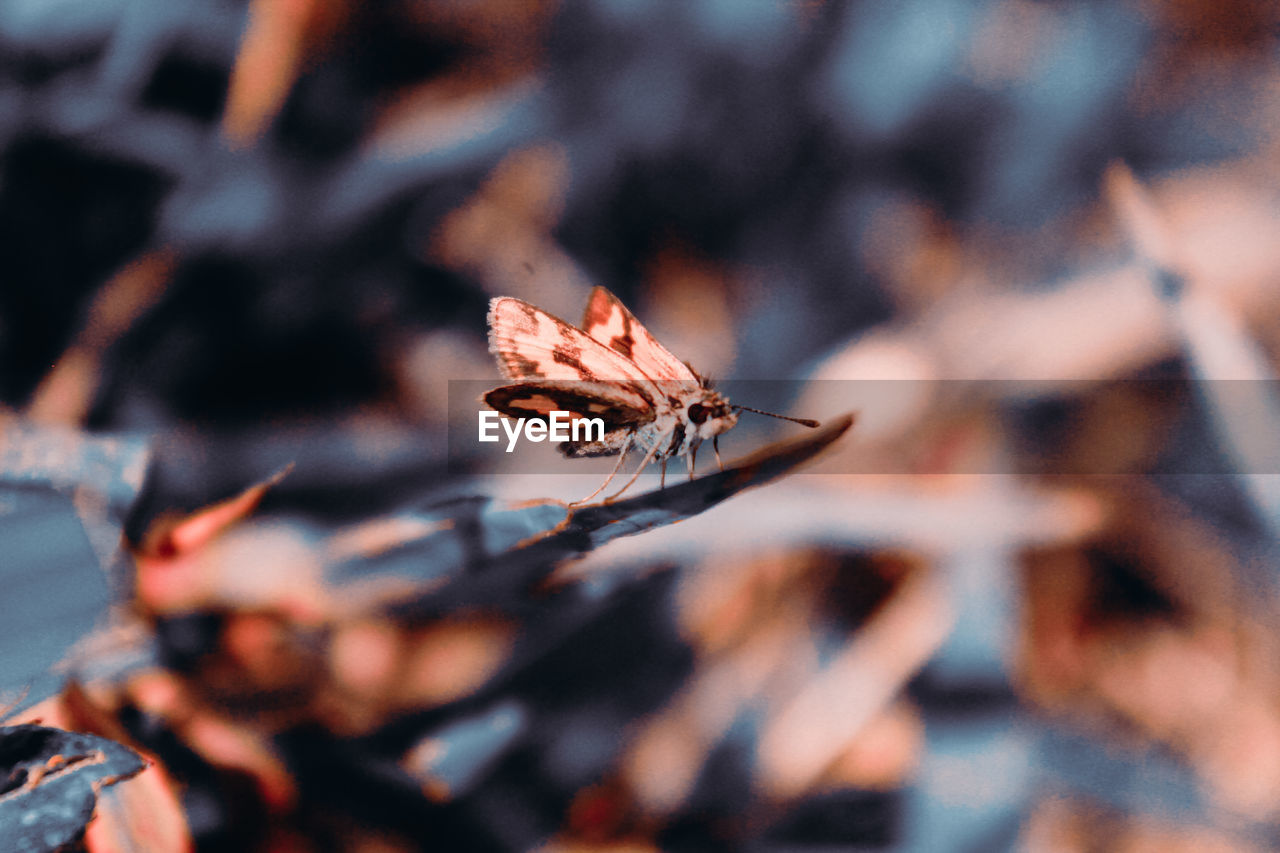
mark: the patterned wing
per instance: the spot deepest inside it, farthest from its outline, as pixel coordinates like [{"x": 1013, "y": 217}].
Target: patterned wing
[
  {"x": 609, "y": 322},
  {"x": 530, "y": 344},
  {"x": 610, "y": 402}
]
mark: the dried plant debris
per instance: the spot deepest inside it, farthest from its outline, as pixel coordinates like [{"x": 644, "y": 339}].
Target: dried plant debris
[{"x": 52, "y": 781}]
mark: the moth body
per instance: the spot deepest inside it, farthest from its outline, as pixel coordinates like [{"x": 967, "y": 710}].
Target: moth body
[
  {"x": 685, "y": 420},
  {"x": 611, "y": 368}
]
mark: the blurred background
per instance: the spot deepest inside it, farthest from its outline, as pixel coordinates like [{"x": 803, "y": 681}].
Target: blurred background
[{"x": 246, "y": 246}]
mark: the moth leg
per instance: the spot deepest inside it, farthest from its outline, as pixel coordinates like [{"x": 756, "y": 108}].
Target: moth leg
[
  {"x": 662, "y": 481},
  {"x": 653, "y": 451},
  {"x": 692, "y": 457},
  {"x": 715, "y": 445},
  {"x": 617, "y": 467}
]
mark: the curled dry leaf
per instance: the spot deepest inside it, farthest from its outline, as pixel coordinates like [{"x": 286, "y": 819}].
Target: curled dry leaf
[
  {"x": 52, "y": 779},
  {"x": 143, "y": 816}
]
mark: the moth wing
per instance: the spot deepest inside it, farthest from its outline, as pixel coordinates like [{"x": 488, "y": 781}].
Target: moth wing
[
  {"x": 608, "y": 321},
  {"x": 610, "y": 445},
  {"x": 530, "y": 344},
  {"x": 616, "y": 404}
]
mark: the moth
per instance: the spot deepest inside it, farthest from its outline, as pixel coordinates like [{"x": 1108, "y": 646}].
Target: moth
[{"x": 611, "y": 368}]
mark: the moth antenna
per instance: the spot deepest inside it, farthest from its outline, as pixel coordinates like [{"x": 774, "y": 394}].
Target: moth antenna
[{"x": 801, "y": 421}]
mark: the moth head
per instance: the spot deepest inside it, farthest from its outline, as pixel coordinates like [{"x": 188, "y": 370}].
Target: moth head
[{"x": 712, "y": 415}]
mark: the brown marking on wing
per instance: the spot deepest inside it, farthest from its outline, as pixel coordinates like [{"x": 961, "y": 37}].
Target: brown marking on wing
[
  {"x": 623, "y": 344},
  {"x": 570, "y": 357},
  {"x": 599, "y": 308},
  {"x": 518, "y": 365},
  {"x": 612, "y": 403},
  {"x": 608, "y": 321},
  {"x": 534, "y": 403},
  {"x": 531, "y": 344}
]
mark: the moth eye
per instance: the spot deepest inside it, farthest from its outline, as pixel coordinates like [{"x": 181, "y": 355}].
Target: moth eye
[{"x": 698, "y": 413}]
